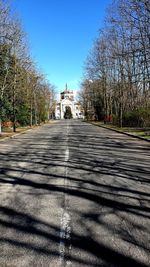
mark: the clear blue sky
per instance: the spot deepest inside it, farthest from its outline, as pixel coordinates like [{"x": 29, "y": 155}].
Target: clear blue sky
[{"x": 60, "y": 33}]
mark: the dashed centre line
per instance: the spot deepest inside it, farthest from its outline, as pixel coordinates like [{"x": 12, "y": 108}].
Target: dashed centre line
[
  {"x": 65, "y": 220},
  {"x": 67, "y": 154}
]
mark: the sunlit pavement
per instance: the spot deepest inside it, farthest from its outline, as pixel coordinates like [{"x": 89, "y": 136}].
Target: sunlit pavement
[{"x": 73, "y": 194}]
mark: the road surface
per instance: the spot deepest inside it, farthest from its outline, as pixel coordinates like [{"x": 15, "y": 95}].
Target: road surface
[{"x": 73, "y": 194}]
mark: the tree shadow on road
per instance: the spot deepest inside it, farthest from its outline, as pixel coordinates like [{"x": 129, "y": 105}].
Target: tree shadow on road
[
  {"x": 27, "y": 225},
  {"x": 109, "y": 178}
]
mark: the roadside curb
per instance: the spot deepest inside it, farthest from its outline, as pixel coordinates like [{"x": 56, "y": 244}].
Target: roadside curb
[
  {"x": 14, "y": 135},
  {"x": 115, "y": 130},
  {"x": 23, "y": 132}
]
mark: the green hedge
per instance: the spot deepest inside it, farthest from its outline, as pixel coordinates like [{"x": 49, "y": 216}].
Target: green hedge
[{"x": 134, "y": 118}]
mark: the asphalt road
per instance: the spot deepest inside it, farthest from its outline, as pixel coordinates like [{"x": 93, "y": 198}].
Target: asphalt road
[{"x": 73, "y": 194}]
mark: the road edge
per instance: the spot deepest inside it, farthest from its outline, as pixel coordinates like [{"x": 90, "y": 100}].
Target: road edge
[
  {"x": 117, "y": 131},
  {"x": 23, "y": 132}
]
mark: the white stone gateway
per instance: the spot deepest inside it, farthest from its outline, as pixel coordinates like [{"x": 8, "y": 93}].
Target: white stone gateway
[{"x": 67, "y": 100}]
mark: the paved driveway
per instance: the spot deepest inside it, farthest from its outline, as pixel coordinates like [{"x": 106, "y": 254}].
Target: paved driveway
[{"x": 73, "y": 194}]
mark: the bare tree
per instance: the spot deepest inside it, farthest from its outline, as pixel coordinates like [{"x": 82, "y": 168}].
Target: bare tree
[{"x": 120, "y": 58}]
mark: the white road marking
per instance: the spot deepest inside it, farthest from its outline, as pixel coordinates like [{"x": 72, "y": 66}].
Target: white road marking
[
  {"x": 65, "y": 220},
  {"x": 65, "y": 232},
  {"x": 67, "y": 154}
]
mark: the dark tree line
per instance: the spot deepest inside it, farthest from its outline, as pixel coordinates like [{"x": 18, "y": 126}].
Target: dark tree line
[
  {"x": 117, "y": 70},
  {"x": 26, "y": 98}
]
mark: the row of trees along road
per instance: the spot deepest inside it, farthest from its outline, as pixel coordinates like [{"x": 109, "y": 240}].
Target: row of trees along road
[
  {"x": 26, "y": 98},
  {"x": 117, "y": 71}
]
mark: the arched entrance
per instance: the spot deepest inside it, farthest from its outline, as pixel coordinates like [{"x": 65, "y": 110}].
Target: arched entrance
[{"x": 68, "y": 113}]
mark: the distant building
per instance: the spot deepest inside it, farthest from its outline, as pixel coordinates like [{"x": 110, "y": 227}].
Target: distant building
[{"x": 67, "y": 100}]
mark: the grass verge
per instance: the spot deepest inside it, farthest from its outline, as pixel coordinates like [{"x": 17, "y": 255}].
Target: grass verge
[{"x": 139, "y": 132}]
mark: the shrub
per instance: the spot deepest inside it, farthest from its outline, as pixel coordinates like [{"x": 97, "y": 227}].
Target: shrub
[{"x": 137, "y": 118}]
